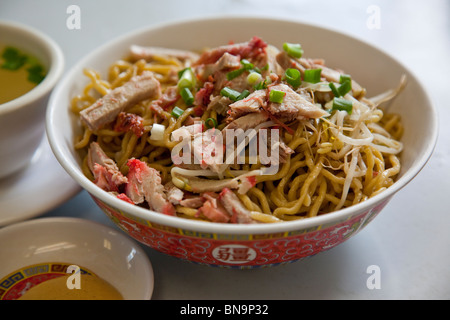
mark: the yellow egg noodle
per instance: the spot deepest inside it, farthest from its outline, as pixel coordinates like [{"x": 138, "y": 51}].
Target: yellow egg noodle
[{"x": 338, "y": 160}]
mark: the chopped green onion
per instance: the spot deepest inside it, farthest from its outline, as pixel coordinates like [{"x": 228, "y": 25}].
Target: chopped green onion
[
  {"x": 177, "y": 112},
  {"x": 344, "y": 77},
  {"x": 334, "y": 89},
  {"x": 342, "y": 90},
  {"x": 211, "y": 123},
  {"x": 244, "y": 94},
  {"x": 293, "y": 49},
  {"x": 247, "y": 65},
  {"x": 230, "y": 93},
  {"x": 254, "y": 78},
  {"x": 342, "y": 104},
  {"x": 235, "y": 73},
  {"x": 186, "y": 79},
  {"x": 261, "y": 85},
  {"x": 187, "y": 96},
  {"x": 276, "y": 96},
  {"x": 293, "y": 77},
  {"x": 157, "y": 132},
  {"x": 312, "y": 75}
]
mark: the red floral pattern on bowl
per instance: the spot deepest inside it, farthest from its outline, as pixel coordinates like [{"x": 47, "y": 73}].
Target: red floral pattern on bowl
[{"x": 239, "y": 251}]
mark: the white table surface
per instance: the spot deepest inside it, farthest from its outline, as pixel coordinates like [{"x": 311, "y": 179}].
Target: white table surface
[{"x": 409, "y": 240}]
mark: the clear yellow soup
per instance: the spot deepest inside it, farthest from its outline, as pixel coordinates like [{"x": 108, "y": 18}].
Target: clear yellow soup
[
  {"x": 91, "y": 288},
  {"x": 19, "y": 73}
]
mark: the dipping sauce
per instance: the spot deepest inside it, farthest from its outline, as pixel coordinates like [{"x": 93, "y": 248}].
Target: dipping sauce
[
  {"x": 19, "y": 73},
  {"x": 91, "y": 288}
]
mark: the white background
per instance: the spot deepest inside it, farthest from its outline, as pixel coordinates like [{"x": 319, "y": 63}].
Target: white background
[{"x": 409, "y": 240}]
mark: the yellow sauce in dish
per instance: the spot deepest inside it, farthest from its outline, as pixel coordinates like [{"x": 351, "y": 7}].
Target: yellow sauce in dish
[{"x": 91, "y": 288}]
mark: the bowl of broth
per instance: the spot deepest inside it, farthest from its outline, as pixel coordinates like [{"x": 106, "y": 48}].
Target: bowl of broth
[
  {"x": 31, "y": 63},
  {"x": 71, "y": 259}
]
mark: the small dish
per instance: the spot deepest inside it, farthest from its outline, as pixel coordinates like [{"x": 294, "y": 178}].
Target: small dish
[
  {"x": 42, "y": 248},
  {"x": 44, "y": 184}
]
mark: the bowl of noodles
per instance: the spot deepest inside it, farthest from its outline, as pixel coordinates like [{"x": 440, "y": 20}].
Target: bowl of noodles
[{"x": 255, "y": 143}]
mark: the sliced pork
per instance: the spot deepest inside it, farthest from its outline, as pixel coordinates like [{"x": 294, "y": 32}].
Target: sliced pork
[
  {"x": 165, "y": 101},
  {"x": 252, "y": 103},
  {"x": 245, "y": 50},
  {"x": 106, "y": 173},
  {"x": 294, "y": 105},
  {"x": 239, "y": 213},
  {"x": 106, "y": 109},
  {"x": 129, "y": 122},
  {"x": 150, "y": 53},
  {"x": 144, "y": 183},
  {"x": 192, "y": 202},
  {"x": 213, "y": 209},
  {"x": 250, "y": 120},
  {"x": 174, "y": 195}
]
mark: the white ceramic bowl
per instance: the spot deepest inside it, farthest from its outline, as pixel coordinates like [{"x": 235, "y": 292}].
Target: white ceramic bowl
[
  {"x": 22, "y": 120},
  {"x": 262, "y": 244},
  {"x": 30, "y": 248}
]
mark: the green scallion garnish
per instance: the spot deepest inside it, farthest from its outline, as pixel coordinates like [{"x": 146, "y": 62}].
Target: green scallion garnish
[
  {"x": 293, "y": 77},
  {"x": 211, "y": 123},
  {"x": 312, "y": 75},
  {"x": 253, "y": 78},
  {"x": 345, "y": 88},
  {"x": 177, "y": 112},
  {"x": 344, "y": 77},
  {"x": 342, "y": 104},
  {"x": 244, "y": 94},
  {"x": 247, "y": 65},
  {"x": 187, "y": 96},
  {"x": 334, "y": 89},
  {"x": 235, "y": 73},
  {"x": 230, "y": 93},
  {"x": 186, "y": 79},
  {"x": 293, "y": 49},
  {"x": 276, "y": 96}
]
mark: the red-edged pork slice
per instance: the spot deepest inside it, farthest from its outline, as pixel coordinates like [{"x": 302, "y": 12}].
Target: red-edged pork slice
[
  {"x": 212, "y": 209},
  {"x": 106, "y": 109},
  {"x": 192, "y": 202},
  {"x": 144, "y": 183},
  {"x": 249, "y": 49},
  {"x": 106, "y": 173},
  {"x": 174, "y": 195},
  {"x": 226, "y": 62},
  {"x": 239, "y": 213},
  {"x": 166, "y": 101}
]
